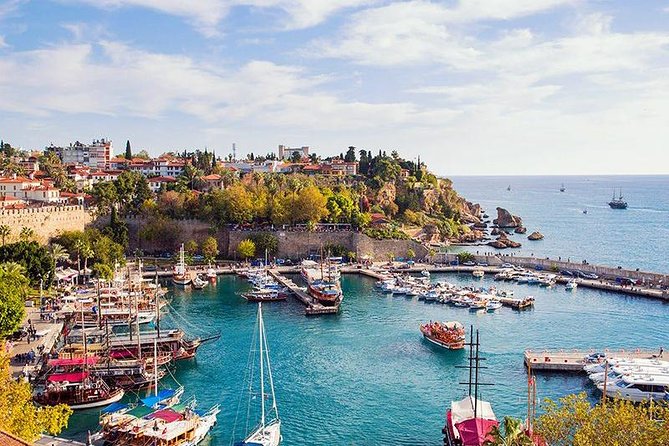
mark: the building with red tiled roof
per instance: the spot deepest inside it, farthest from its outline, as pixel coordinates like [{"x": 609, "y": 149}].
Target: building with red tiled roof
[
  {"x": 7, "y": 201},
  {"x": 155, "y": 183}
]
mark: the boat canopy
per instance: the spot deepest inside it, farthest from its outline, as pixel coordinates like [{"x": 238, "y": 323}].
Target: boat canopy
[
  {"x": 167, "y": 415},
  {"x": 164, "y": 394},
  {"x": 114, "y": 407},
  {"x": 464, "y": 410},
  {"x": 75, "y": 377},
  {"x": 65, "y": 362},
  {"x": 475, "y": 432},
  {"x": 140, "y": 411}
]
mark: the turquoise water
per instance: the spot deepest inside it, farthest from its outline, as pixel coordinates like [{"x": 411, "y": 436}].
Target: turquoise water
[
  {"x": 637, "y": 237},
  {"x": 366, "y": 377}
]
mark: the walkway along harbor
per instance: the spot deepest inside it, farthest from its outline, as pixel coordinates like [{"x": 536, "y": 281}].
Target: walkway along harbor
[{"x": 574, "y": 360}]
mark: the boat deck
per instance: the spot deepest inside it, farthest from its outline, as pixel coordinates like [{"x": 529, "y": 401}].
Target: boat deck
[
  {"x": 573, "y": 360},
  {"x": 312, "y": 306}
]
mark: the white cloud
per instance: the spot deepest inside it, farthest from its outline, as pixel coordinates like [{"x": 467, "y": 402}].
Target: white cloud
[
  {"x": 207, "y": 14},
  {"x": 111, "y": 78},
  {"x": 3, "y": 43}
]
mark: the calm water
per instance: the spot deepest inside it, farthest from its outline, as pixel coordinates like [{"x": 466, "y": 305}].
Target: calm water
[
  {"x": 366, "y": 377},
  {"x": 637, "y": 237}
]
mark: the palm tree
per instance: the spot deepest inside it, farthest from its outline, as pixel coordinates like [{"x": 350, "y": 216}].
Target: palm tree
[
  {"x": 5, "y": 230},
  {"x": 26, "y": 233},
  {"x": 58, "y": 252},
  {"x": 514, "y": 435},
  {"x": 13, "y": 267},
  {"x": 79, "y": 247},
  {"x": 86, "y": 253}
]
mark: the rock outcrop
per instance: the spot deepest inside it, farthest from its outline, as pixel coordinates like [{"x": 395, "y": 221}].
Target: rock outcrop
[
  {"x": 503, "y": 242},
  {"x": 520, "y": 230},
  {"x": 536, "y": 235},
  {"x": 506, "y": 220}
]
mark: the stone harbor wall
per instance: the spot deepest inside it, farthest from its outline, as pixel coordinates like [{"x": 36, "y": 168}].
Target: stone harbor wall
[
  {"x": 292, "y": 244},
  {"x": 298, "y": 245},
  {"x": 46, "y": 222}
]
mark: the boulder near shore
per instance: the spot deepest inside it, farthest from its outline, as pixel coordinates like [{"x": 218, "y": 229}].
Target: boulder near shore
[
  {"x": 503, "y": 242},
  {"x": 506, "y": 220},
  {"x": 536, "y": 235}
]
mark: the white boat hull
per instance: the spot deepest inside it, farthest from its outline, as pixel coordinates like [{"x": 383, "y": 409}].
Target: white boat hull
[
  {"x": 269, "y": 435},
  {"x": 100, "y": 403}
]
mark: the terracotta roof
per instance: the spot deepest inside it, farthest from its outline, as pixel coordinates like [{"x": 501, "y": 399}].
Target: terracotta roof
[
  {"x": 6, "y": 198},
  {"x": 312, "y": 167},
  {"x": 212, "y": 177},
  {"x": 162, "y": 180},
  {"x": 16, "y": 180},
  {"x": 10, "y": 440}
]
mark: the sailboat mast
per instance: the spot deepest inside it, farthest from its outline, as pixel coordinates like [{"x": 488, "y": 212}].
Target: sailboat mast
[
  {"x": 269, "y": 373},
  {"x": 262, "y": 373},
  {"x": 155, "y": 367}
]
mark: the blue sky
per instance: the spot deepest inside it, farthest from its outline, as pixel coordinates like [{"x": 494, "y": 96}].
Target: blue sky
[{"x": 472, "y": 86}]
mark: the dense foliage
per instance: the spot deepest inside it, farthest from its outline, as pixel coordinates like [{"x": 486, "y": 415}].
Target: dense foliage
[
  {"x": 13, "y": 292},
  {"x": 95, "y": 247},
  {"x": 36, "y": 260},
  {"x": 19, "y": 416},
  {"x": 246, "y": 249},
  {"x": 574, "y": 421}
]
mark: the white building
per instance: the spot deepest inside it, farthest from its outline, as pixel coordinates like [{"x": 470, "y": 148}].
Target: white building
[
  {"x": 286, "y": 153},
  {"x": 98, "y": 154},
  {"x": 23, "y": 188}
]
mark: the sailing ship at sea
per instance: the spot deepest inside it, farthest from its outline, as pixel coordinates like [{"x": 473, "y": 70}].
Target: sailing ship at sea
[
  {"x": 268, "y": 430},
  {"x": 618, "y": 203},
  {"x": 450, "y": 335}
]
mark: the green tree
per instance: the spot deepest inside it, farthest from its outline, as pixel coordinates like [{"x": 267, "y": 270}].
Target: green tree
[
  {"x": 295, "y": 157},
  {"x": 5, "y": 230},
  {"x": 350, "y": 155},
  {"x": 13, "y": 292},
  {"x": 411, "y": 253},
  {"x": 103, "y": 271},
  {"x": 191, "y": 247},
  {"x": 265, "y": 241},
  {"x": 574, "y": 421},
  {"x": 128, "y": 150},
  {"x": 210, "y": 249},
  {"x": 58, "y": 253},
  {"x": 26, "y": 234},
  {"x": 310, "y": 205},
  {"x": 36, "y": 260},
  {"x": 18, "y": 414},
  {"x": 105, "y": 195},
  {"x": 143, "y": 154},
  {"x": 246, "y": 249},
  {"x": 513, "y": 435},
  {"x": 237, "y": 204}
]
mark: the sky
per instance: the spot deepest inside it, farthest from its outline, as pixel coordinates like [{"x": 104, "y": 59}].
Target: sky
[{"x": 473, "y": 87}]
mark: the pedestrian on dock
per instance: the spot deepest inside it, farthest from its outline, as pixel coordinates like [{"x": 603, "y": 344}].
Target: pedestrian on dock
[{"x": 661, "y": 352}]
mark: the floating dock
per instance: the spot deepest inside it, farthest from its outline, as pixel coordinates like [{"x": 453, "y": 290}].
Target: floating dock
[
  {"x": 312, "y": 306},
  {"x": 574, "y": 360}
]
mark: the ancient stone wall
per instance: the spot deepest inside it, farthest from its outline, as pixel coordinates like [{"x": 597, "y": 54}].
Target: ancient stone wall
[{"x": 46, "y": 222}]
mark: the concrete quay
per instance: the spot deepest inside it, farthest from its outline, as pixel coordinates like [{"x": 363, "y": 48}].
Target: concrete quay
[
  {"x": 312, "y": 306},
  {"x": 574, "y": 360}
]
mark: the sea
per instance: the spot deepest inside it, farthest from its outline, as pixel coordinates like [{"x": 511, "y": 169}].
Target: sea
[
  {"x": 366, "y": 376},
  {"x": 636, "y": 237}
]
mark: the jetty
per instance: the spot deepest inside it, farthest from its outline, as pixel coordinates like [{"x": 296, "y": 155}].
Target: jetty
[
  {"x": 574, "y": 360},
  {"x": 312, "y": 306},
  {"x": 517, "y": 303}
]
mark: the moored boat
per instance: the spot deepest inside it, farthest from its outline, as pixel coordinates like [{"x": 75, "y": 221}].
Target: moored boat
[
  {"x": 478, "y": 273},
  {"x": 180, "y": 276}
]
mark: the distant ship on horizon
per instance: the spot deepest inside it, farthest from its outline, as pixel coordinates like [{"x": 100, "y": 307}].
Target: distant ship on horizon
[
  {"x": 618, "y": 203},
  {"x": 562, "y": 188}
]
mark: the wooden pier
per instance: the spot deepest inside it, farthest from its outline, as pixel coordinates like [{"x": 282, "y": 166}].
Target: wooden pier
[
  {"x": 312, "y": 306},
  {"x": 574, "y": 360}
]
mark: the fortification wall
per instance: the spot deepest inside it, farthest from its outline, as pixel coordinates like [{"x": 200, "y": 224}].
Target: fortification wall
[
  {"x": 297, "y": 245},
  {"x": 46, "y": 221}
]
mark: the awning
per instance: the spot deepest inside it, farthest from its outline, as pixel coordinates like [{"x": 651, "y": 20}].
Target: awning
[
  {"x": 464, "y": 410},
  {"x": 65, "y": 362},
  {"x": 167, "y": 415},
  {"x": 140, "y": 411},
  {"x": 114, "y": 407},
  {"x": 75, "y": 377},
  {"x": 475, "y": 432},
  {"x": 152, "y": 400}
]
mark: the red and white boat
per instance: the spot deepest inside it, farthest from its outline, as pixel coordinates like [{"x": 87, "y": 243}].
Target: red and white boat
[{"x": 466, "y": 426}]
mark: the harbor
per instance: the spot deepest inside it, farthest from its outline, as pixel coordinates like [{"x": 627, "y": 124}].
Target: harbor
[
  {"x": 573, "y": 360},
  {"x": 312, "y": 307}
]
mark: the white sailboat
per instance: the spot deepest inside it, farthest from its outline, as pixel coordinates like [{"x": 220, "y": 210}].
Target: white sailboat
[
  {"x": 268, "y": 432},
  {"x": 180, "y": 276}
]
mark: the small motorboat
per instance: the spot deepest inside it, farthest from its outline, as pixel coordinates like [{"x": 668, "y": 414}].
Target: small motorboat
[
  {"x": 571, "y": 285},
  {"x": 493, "y": 305},
  {"x": 198, "y": 283},
  {"x": 478, "y": 273}
]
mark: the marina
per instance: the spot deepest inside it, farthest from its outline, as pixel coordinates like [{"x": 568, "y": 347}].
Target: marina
[
  {"x": 312, "y": 306},
  {"x": 574, "y": 360}
]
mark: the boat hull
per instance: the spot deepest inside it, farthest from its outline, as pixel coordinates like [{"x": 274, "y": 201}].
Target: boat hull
[{"x": 448, "y": 346}]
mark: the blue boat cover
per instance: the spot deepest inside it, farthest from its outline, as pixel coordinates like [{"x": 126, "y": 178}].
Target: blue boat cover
[
  {"x": 152, "y": 400},
  {"x": 114, "y": 407}
]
